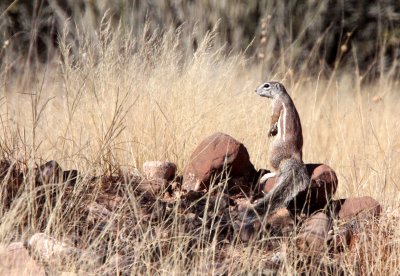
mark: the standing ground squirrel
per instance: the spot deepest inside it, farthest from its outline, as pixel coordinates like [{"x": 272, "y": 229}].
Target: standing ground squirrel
[
  {"x": 285, "y": 125},
  {"x": 285, "y": 152}
]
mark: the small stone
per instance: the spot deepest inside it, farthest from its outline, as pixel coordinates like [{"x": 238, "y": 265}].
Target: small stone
[
  {"x": 355, "y": 215},
  {"x": 352, "y": 207},
  {"x": 50, "y": 252},
  {"x": 159, "y": 169},
  {"x": 314, "y": 233},
  {"x": 190, "y": 216},
  {"x": 97, "y": 212},
  {"x": 277, "y": 258},
  {"x": 50, "y": 172}
]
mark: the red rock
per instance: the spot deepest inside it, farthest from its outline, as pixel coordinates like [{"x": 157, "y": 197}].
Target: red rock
[
  {"x": 314, "y": 233},
  {"x": 364, "y": 206},
  {"x": 355, "y": 216},
  {"x": 212, "y": 156},
  {"x": 324, "y": 184},
  {"x": 269, "y": 184},
  {"x": 159, "y": 169}
]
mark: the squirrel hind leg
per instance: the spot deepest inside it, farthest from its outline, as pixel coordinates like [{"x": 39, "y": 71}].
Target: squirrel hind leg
[{"x": 267, "y": 176}]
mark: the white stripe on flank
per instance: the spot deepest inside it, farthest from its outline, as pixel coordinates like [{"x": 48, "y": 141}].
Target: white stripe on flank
[
  {"x": 279, "y": 127},
  {"x": 284, "y": 123}
]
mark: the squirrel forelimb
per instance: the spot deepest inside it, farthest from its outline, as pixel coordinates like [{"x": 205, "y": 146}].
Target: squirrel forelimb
[{"x": 276, "y": 114}]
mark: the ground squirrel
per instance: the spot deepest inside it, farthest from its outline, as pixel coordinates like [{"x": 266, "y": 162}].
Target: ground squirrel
[
  {"x": 285, "y": 125},
  {"x": 285, "y": 153}
]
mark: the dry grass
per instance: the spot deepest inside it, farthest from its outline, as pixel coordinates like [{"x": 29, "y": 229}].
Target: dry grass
[{"x": 121, "y": 102}]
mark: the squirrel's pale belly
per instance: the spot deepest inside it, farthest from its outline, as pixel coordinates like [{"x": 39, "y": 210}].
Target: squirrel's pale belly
[{"x": 283, "y": 149}]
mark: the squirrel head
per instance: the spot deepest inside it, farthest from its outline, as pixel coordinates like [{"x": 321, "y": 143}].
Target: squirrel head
[{"x": 271, "y": 89}]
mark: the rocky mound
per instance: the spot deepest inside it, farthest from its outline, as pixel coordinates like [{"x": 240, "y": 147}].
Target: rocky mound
[{"x": 218, "y": 185}]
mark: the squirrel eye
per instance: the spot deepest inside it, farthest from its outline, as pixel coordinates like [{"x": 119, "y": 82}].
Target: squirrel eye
[{"x": 267, "y": 85}]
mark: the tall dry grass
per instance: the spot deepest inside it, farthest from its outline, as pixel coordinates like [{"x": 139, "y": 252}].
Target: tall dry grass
[{"x": 123, "y": 100}]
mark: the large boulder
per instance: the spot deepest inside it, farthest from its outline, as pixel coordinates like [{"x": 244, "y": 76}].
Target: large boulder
[{"x": 213, "y": 157}]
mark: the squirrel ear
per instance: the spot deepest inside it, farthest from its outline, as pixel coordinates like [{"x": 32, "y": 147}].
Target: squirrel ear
[{"x": 281, "y": 86}]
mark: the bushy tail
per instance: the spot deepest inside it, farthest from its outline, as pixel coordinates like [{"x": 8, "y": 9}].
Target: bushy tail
[{"x": 291, "y": 180}]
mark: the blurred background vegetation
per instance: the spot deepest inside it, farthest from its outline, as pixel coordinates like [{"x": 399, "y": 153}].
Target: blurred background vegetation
[{"x": 313, "y": 36}]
